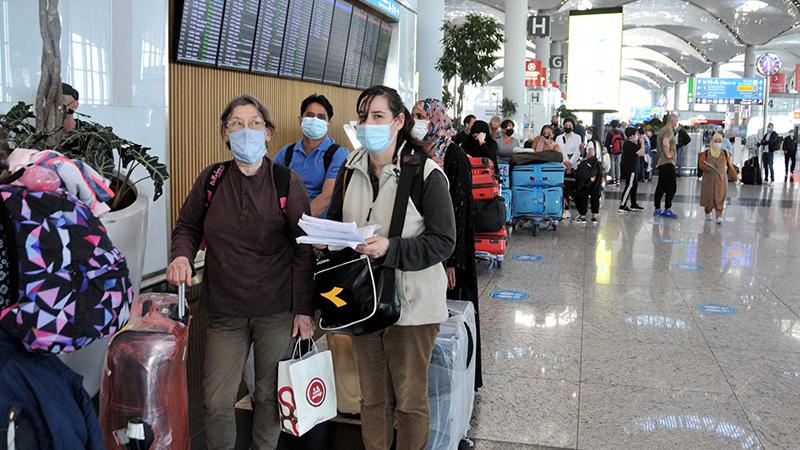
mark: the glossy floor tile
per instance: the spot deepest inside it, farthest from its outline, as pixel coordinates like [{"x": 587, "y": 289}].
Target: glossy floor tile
[{"x": 646, "y": 332}]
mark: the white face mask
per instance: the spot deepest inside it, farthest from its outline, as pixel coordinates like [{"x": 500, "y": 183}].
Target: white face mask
[
  {"x": 420, "y": 129},
  {"x": 716, "y": 145}
]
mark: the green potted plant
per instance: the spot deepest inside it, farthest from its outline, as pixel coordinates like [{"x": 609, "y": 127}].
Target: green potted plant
[
  {"x": 508, "y": 108},
  {"x": 468, "y": 55}
]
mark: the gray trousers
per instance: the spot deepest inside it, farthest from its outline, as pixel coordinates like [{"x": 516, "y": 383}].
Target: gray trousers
[{"x": 227, "y": 346}]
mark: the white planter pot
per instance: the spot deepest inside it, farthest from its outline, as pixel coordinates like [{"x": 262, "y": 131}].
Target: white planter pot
[{"x": 127, "y": 229}]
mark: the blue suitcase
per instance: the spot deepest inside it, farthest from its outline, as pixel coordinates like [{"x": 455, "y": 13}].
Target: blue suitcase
[
  {"x": 530, "y": 175},
  {"x": 537, "y": 201},
  {"x": 505, "y": 174},
  {"x": 508, "y": 197}
]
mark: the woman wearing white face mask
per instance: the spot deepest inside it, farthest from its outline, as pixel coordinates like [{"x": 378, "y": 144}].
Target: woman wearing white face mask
[
  {"x": 393, "y": 363},
  {"x": 715, "y": 163},
  {"x": 257, "y": 280}
]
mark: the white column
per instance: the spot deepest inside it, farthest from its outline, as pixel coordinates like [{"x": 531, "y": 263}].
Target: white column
[
  {"x": 543, "y": 52},
  {"x": 750, "y": 61},
  {"x": 555, "y": 49},
  {"x": 677, "y": 95},
  {"x": 516, "y": 37},
  {"x": 715, "y": 74},
  {"x": 430, "y": 15}
]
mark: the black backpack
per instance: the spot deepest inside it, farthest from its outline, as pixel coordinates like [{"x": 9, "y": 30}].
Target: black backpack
[
  {"x": 327, "y": 158},
  {"x": 282, "y": 176}
]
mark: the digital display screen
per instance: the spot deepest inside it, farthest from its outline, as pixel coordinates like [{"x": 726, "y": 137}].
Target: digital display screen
[
  {"x": 201, "y": 23},
  {"x": 382, "y": 56},
  {"x": 337, "y": 45},
  {"x": 318, "y": 38},
  {"x": 269, "y": 36},
  {"x": 727, "y": 91},
  {"x": 355, "y": 45},
  {"x": 298, "y": 23},
  {"x": 238, "y": 32},
  {"x": 594, "y": 59},
  {"x": 368, "y": 52}
]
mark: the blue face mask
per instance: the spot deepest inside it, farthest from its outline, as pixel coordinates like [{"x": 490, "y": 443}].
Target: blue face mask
[
  {"x": 313, "y": 128},
  {"x": 248, "y": 146},
  {"x": 375, "y": 138},
  {"x": 769, "y": 129}
]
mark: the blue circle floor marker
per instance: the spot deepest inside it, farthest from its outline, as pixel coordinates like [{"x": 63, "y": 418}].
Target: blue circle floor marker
[
  {"x": 694, "y": 267},
  {"x": 528, "y": 258},
  {"x": 509, "y": 296},
  {"x": 717, "y": 309}
]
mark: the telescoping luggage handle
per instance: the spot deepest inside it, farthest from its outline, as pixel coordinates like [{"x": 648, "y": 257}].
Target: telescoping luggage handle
[{"x": 181, "y": 301}]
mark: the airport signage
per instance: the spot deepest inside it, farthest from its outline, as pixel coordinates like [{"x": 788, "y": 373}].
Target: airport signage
[{"x": 727, "y": 91}]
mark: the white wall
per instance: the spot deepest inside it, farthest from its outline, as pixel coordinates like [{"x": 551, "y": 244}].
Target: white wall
[{"x": 114, "y": 52}]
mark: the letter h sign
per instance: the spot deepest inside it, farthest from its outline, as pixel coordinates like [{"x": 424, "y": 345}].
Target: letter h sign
[{"x": 539, "y": 26}]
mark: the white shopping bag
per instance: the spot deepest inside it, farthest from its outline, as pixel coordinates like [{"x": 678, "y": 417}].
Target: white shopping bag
[{"x": 306, "y": 390}]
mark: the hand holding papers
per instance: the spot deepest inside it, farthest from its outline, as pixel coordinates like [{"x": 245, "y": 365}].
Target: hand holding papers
[{"x": 334, "y": 234}]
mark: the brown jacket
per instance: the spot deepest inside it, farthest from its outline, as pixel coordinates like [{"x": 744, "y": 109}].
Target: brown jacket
[
  {"x": 253, "y": 265},
  {"x": 701, "y": 163}
]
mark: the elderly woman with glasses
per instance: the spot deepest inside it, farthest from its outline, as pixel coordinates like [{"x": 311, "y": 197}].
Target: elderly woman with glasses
[{"x": 256, "y": 284}]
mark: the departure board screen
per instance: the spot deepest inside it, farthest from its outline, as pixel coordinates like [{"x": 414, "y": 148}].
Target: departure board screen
[
  {"x": 337, "y": 46},
  {"x": 238, "y": 32},
  {"x": 382, "y": 55},
  {"x": 355, "y": 45},
  {"x": 368, "y": 52},
  {"x": 269, "y": 36},
  {"x": 318, "y": 37},
  {"x": 198, "y": 40},
  {"x": 296, "y": 38}
]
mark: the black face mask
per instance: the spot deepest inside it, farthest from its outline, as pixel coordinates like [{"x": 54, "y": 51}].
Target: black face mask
[
  {"x": 547, "y": 136},
  {"x": 509, "y": 132},
  {"x": 568, "y": 130}
]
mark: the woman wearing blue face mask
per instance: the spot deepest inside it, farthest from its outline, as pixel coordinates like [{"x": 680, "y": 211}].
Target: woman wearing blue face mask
[
  {"x": 257, "y": 279},
  {"x": 393, "y": 363}
]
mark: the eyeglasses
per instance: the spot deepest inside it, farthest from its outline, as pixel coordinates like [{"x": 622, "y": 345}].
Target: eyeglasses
[{"x": 237, "y": 124}]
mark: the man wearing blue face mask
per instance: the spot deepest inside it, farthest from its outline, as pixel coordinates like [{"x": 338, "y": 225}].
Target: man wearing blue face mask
[
  {"x": 315, "y": 157},
  {"x": 771, "y": 142}
]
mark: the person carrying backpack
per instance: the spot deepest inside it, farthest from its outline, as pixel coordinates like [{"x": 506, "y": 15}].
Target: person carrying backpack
[
  {"x": 633, "y": 149},
  {"x": 683, "y": 141},
  {"x": 614, "y": 143},
  {"x": 315, "y": 157},
  {"x": 257, "y": 283},
  {"x": 789, "y": 155}
]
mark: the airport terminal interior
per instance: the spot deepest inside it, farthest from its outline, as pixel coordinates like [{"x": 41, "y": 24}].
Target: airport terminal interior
[{"x": 605, "y": 209}]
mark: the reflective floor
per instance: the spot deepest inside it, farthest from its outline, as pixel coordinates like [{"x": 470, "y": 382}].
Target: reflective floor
[{"x": 647, "y": 332}]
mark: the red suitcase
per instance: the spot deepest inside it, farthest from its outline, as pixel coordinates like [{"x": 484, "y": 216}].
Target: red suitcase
[
  {"x": 144, "y": 388},
  {"x": 481, "y": 164},
  {"x": 493, "y": 243},
  {"x": 485, "y": 187}
]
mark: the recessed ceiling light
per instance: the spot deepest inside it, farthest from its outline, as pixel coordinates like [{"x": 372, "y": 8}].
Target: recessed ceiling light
[
  {"x": 751, "y": 6},
  {"x": 709, "y": 36}
]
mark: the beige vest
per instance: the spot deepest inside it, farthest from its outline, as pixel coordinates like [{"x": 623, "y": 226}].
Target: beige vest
[{"x": 422, "y": 294}]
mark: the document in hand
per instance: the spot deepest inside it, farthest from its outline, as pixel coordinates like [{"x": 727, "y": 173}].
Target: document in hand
[{"x": 332, "y": 233}]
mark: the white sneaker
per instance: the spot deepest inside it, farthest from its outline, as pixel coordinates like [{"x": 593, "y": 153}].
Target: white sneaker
[
  {"x": 719, "y": 220},
  {"x": 708, "y": 217}
]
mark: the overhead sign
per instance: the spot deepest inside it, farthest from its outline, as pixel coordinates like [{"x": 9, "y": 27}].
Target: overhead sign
[
  {"x": 556, "y": 61},
  {"x": 595, "y": 59},
  {"x": 726, "y": 91},
  {"x": 563, "y": 78},
  {"x": 777, "y": 83},
  {"x": 539, "y": 26},
  {"x": 768, "y": 64},
  {"x": 389, "y": 7}
]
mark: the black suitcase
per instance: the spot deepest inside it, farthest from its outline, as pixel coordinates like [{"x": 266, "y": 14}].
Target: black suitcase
[{"x": 751, "y": 171}]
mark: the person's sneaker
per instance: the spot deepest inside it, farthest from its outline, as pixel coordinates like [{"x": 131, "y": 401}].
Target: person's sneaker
[
  {"x": 594, "y": 220},
  {"x": 623, "y": 209},
  {"x": 668, "y": 213},
  {"x": 709, "y": 217},
  {"x": 637, "y": 207},
  {"x": 580, "y": 220},
  {"x": 658, "y": 212},
  {"x": 719, "y": 220}
]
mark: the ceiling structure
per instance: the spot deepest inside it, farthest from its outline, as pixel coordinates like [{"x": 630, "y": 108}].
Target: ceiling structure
[{"x": 664, "y": 41}]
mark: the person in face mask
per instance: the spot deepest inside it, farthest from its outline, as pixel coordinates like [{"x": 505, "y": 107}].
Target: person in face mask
[
  {"x": 257, "y": 283},
  {"x": 545, "y": 141},
  {"x": 771, "y": 142},
  {"x": 315, "y": 157},
  {"x": 433, "y": 127},
  {"x": 716, "y": 164},
  {"x": 507, "y": 143},
  {"x": 481, "y": 144},
  {"x": 365, "y": 194}
]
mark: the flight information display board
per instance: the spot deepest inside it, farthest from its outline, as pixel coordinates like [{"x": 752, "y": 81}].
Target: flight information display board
[
  {"x": 201, "y": 23},
  {"x": 337, "y": 45},
  {"x": 329, "y": 41},
  {"x": 727, "y": 91},
  {"x": 318, "y": 38},
  {"x": 368, "y": 52},
  {"x": 355, "y": 45},
  {"x": 268, "y": 44},
  {"x": 295, "y": 38},
  {"x": 238, "y": 32},
  {"x": 382, "y": 56}
]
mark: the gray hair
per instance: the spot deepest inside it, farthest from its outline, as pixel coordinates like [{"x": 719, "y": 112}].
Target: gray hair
[
  {"x": 672, "y": 117},
  {"x": 245, "y": 99}
]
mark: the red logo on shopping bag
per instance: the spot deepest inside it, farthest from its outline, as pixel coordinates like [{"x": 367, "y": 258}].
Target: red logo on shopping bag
[
  {"x": 287, "y": 408},
  {"x": 315, "y": 392}
]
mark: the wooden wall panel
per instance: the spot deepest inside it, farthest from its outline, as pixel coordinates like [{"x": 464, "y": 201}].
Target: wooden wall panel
[{"x": 197, "y": 96}]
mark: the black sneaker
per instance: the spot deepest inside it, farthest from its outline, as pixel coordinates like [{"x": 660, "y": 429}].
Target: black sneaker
[
  {"x": 623, "y": 209},
  {"x": 594, "y": 220},
  {"x": 580, "y": 220},
  {"x": 637, "y": 207}
]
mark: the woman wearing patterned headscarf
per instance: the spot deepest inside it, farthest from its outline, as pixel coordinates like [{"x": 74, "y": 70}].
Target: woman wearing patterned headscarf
[{"x": 433, "y": 126}]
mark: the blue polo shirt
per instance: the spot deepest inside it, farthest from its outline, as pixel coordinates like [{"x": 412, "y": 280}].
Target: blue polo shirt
[{"x": 311, "y": 168}]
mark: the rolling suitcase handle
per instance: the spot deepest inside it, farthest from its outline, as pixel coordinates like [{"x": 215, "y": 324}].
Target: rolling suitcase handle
[{"x": 181, "y": 301}]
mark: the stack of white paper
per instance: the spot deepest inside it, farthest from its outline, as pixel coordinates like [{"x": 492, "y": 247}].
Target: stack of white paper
[{"x": 332, "y": 233}]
